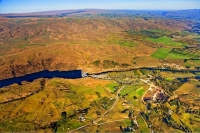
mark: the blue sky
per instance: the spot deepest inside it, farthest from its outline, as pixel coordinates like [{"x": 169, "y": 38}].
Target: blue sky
[{"x": 21, "y": 6}]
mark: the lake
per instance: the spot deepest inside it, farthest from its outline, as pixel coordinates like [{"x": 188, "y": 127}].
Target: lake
[{"x": 42, "y": 74}]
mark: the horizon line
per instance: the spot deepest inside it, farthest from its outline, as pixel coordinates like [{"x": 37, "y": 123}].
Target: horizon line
[{"x": 103, "y": 9}]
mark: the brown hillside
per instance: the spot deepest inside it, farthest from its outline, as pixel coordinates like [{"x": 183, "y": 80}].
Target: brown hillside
[{"x": 31, "y": 45}]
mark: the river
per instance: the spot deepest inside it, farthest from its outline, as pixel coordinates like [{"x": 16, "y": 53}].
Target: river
[
  {"x": 42, "y": 74},
  {"x": 75, "y": 74}
]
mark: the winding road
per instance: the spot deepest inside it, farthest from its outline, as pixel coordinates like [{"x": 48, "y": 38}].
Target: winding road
[{"x": 99, "y": 119}]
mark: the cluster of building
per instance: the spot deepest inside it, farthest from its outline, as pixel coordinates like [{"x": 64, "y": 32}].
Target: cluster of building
[{"x": 155, "y": 95}]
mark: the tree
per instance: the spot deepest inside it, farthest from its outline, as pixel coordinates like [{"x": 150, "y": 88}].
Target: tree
[
  {"x": 134, "y": 97},
  {"x": 148, "y": 106},
  {"x": 63, "y": 115},
  {"x": 121, "y": 128}
]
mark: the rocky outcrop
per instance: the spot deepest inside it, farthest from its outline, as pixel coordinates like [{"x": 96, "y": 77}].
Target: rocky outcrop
[{"x": 15, "y": 70}]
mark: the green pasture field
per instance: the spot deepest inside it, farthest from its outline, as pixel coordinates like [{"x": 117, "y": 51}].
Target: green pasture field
[
  {"x": 167, "y": 41},
  {"x": 73, "y": 124},
  {"x": 112, "y": 86},
  {"x": 137, "y": 91},
  {"x": 142, "y": 126},
  {"x": 182, "y": 55},
  {"x": 161, "y": 53}
]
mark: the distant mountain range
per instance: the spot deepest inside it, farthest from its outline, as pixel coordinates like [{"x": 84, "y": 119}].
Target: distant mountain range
[{"x": 179, "y": 14}]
